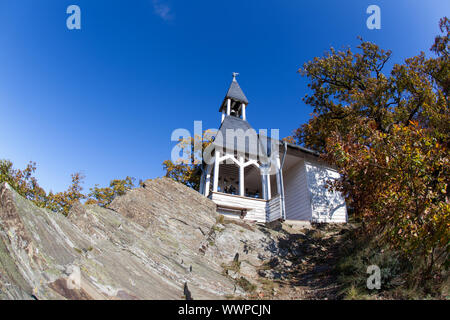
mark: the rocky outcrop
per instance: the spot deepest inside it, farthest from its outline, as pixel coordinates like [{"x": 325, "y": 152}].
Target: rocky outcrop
[{"x": 152, "y": 243}]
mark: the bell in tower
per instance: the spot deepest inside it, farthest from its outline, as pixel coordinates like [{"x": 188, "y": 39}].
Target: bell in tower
[{"x": 235, "y": 101}]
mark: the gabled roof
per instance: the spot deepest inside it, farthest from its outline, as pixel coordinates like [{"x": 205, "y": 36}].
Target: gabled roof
[
  {"x": 231, "y": 122},
  {"x": 250, "y": 144},
  {"x": 290, "y": 145},
  {"x": 262, "y": 143},
  {"x": 303, "y": 149}
]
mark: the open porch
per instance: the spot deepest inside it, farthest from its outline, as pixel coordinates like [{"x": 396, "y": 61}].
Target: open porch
[{"x": 242, "y": 189}]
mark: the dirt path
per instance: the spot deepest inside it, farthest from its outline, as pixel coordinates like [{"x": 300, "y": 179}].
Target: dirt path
[{"x": 306, "y": 271}]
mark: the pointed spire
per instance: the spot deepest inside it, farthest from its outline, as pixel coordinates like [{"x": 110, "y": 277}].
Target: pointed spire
[{"x": 235, "y": 91}]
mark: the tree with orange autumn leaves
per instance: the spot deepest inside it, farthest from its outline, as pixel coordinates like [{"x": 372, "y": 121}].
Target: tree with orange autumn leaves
[
  {"x": 27, "y": 186},
  {"x": 388, "y": 134},
  {"x": 23, "y": 182},
  {"x": 104, "y": 196},
  {"x": 187, "y": 170}
]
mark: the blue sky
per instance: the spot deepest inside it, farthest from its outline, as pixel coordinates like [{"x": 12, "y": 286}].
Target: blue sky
[{"x": 105, "y": 99}]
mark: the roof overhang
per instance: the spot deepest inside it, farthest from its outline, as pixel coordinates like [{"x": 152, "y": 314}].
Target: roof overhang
[{"x": 294, "y": 147}]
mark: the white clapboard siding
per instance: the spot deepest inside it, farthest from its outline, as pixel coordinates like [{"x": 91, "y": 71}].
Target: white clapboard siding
[
  {"x": 274, "y": 208},
  {"x": 256, "y": 208},
  {"x": 327, "y": 206},
  {"x": 296, "y": 194}
]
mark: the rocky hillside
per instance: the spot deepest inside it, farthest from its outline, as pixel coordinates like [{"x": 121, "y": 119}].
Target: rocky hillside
[{"x": 162, "y": 241}]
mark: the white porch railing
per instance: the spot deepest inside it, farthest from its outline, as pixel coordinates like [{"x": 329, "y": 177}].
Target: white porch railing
[{"x": 256, "y": 209}]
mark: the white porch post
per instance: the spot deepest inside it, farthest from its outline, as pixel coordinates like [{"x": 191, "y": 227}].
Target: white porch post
[
  {"x": 208, "y": 180},
  {"x": 216, "y": 170},
  {"x": 241, "y": 176},
  {"x": 228, "y": 107},
  {"x": 278, "y": 176},
  {"x": 269, "y": 192},
  {"x": 223, "y": 115},
  {"x": 244, "y": 117},
  {"x": 264, "y": 185},
  {"x": 202, "y": 182},
  {"x": 281, "y": 188}
]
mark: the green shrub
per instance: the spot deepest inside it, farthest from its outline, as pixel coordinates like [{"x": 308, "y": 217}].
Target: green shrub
[
  {"x": 358, "y": 253},
  {"x": 245, "y": 284},
  {"x": 220, "y": 219}
]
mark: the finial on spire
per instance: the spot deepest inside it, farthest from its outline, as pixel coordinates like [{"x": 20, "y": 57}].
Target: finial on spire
[{"x": 235, "y": 74}]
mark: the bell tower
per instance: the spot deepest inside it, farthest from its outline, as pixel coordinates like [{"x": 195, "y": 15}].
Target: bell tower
[
  {"x": 235, "y": 102},
  {"x": 236, "y": 167}
]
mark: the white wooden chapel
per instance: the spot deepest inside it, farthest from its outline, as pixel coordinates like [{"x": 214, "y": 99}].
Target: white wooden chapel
[{"x": 258, "y": 178}]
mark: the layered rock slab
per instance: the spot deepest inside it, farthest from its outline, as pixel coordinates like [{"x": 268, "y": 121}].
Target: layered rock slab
[{"x": 147, "y": 245}]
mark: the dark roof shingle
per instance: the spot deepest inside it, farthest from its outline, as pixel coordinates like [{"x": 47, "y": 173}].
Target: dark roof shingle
[
  {"x": 235, "y": 92},
  {"x": 251, "y": 143}
]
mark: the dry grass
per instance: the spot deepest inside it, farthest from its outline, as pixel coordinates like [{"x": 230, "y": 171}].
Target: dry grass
[{"x": 237, "y": 222}]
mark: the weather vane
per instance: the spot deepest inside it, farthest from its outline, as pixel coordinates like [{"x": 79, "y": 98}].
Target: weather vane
[{"x": 235, "y": 74}]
